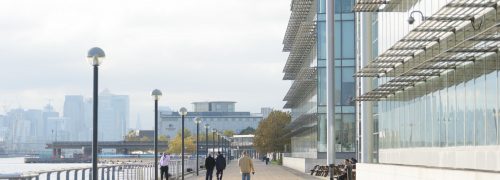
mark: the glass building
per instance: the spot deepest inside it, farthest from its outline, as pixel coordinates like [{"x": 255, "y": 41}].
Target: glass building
[
  {"x": 305, "y": 40},
  {"x": 430, "y": 94}
]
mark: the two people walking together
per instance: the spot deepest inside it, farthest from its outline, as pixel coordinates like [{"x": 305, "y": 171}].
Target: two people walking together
[
  {"x": 245, "y": 163},
  {"x": 219, "y": 163}
]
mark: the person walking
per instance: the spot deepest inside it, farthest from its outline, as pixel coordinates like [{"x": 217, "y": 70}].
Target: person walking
[
  {"x": 246, "y": 166},
  {"x": 220, "y": 165},
  {"x": 164, "y": 160},
  {"x": 209, "y": 164}
]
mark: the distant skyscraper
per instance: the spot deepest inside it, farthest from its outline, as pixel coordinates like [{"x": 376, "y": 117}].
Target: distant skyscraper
[
  {"x": 74, "y": 112},
  {"x": 48, "y": 112},
  {"x": 113, "y": 116}
]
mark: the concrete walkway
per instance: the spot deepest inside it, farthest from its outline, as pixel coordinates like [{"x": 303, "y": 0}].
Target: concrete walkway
[{"x": 262, "y": 172}]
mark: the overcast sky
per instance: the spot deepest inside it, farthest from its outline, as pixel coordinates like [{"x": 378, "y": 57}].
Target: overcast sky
[{"x": 192, "y": 50}]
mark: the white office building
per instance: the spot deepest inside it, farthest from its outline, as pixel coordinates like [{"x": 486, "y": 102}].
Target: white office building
[
  {"x": 218, "y": 114},
  {"x": 429, "y": 88}
]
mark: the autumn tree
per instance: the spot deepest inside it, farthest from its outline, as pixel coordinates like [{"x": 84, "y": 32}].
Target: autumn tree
[
  {"x": 270, "y": 134},
  {"x": 174, "y": 147},
  {"x": 248, "y": 130},
  {"x": 229, "y": 133}
]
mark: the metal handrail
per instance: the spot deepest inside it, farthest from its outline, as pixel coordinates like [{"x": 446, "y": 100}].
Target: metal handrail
[{"x": 107, "y": 172}]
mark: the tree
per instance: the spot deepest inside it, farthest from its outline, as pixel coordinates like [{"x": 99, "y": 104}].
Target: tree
[
  {"x": 163, "y": 138},
  {"x": 270, "y": 134},
  {"x": 175, "y": 145},
  {"x": 248, "y": 130},
  {"x": 131, "y": 136},
  {"x": 145, "y": 138},
  {"x": 229, "y": 133}
]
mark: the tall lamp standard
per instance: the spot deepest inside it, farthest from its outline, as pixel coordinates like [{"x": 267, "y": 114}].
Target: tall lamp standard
[
  {"x": 95, "y": 56},
  {"x": 229, "y": 148},
  {"x": 218, "y": 142},
  {"x": 182, "y": 112},
  {"x": 224, "y": 145},
  {"x": 206, "y": 137},
  {"x": 225, "y": 149},
  {"x": 156, "y": 94},
  {"x": 214, "y": 131},
  {"x": 197, "y": 120}
]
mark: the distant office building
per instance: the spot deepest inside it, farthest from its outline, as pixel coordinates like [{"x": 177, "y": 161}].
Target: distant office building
[
  {"x": 59, "y": 129},
  {"x": 75, "y": 113},
  {"x": 218, "y": 114},
  {"x": 113, "y": 116},
  {"x": 48, "y": 112},
  {"x": 23, "y": 130},
  {"x": 214, "y": 106},
  {"x": 265, "y": 111}
]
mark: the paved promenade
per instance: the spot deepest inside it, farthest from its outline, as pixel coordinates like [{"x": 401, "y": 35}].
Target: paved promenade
[{"x": 262, "y": 172}]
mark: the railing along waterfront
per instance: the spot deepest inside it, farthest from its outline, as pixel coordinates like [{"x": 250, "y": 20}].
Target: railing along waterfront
[{"x": 139, "y": 171}]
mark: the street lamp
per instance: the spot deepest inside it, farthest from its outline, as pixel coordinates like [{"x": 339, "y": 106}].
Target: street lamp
[
  {"x": 156, "y": 94},
  {"x": 183, "y": 112},
  {"x": 229, "y": 148},
  {"x": 95, "y": 56},
  {"x": 206, "y": 137},
  {"x": 197, "y": 120},
  {"x": 214, "y": 131},
  {"x": 218, "y": 142}
]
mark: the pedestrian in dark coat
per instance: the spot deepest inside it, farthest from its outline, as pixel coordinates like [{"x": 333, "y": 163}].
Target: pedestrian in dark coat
[
  {"x": 209, "y": 164},
  {"x": 220, "y": 165}
]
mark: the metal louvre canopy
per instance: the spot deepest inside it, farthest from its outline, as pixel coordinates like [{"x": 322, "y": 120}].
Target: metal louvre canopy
[
  {"x": 452, "y": 18},
  {"x": 305, "y": 82},
  {"x": 301, "y": 123},
  {"x": 375, "y": 5},
  {"x": 301, "y": 49},
  {"x": 483, "y": 44},
  {"x": 300, "y": 9}
]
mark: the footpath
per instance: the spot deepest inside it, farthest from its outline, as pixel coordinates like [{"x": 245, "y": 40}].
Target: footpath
[{"x": 262, "y": 172}]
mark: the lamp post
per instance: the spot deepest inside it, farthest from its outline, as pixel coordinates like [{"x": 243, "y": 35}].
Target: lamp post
[
  {"x": 206, "y": 137},
  {"x": 95, "y": 56},
  {"x": 225, "y": 148},
  {"x": 182, "y": 112},
  {"x": 156, "y": 94},
  {"x": 218, "y": 142},
  {"x": 229, "y": 149},
  {"x": 197, "y": 120},
  {"x": 214, "y": 131}
]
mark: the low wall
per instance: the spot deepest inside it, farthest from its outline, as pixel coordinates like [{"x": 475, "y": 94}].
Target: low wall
[
  {"x": 398, "y": 172},
  {"x": 295, "y": 163},
  {"x": 302, "y": 164}
]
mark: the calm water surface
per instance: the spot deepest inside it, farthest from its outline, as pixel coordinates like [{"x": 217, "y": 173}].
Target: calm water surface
[{"x": 17, "y": 165}]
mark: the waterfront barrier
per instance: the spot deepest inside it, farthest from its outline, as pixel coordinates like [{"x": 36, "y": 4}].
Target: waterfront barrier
[{"x": 140, "y": 171}]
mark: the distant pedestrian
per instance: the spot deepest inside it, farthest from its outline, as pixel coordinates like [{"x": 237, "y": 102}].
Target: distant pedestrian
[
  {"x": 246, "y": 166},
  {"x": 209, "y": 164},
  {"x": 267, "y": 160},
  {"x": 220, "y": 165},
  {"x": 164, "y": 160}
]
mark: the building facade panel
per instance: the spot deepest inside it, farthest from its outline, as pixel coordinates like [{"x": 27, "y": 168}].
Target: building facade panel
[{"x": 431, "y": 88}]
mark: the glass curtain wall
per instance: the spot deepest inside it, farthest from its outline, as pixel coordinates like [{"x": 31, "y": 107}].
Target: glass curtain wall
[
  {"x": 344, "y": 39},
  {"x": 458, "y": 108}
]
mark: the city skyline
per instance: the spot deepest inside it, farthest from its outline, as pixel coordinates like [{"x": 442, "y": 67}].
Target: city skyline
[
  {"x": 151, "y": 45},
  {"x": 134, "y": 118}
]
